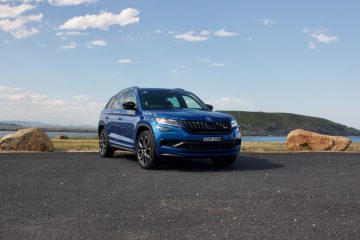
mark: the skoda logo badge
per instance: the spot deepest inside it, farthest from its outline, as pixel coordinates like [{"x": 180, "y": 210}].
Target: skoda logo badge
[{"x": 209, "y": 119}]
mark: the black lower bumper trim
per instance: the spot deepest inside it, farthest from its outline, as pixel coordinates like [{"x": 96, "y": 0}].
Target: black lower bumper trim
[{"x": 198, "y": 145}]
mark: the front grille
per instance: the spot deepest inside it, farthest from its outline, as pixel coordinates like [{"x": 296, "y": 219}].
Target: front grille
[{"x": 206, "y": 127}]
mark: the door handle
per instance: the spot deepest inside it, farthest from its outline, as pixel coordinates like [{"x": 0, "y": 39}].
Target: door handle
[
  {"x": 107, "y": 117},
  {"x": 120, "y": 119}
]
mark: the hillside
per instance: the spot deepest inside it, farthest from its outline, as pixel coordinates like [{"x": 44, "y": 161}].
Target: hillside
[
  {"x": 261, "y": 123},
  {"x": 16, "y": 125}
]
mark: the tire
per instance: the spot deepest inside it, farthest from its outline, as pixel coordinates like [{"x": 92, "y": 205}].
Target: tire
[
  {"x": 224, "y": 161},
  {"x": 105, "y": 150},
  {"x": 146, "y": 154}
]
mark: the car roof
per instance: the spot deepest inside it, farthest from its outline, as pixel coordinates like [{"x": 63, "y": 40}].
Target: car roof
[
  {"x": 169, "y": 89},
  {"x": 151, "y": 89}
]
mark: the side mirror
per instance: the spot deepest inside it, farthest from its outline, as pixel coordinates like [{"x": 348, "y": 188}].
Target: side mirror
[
  {"x": 211, "y": 107},
  {"x": 129, "y": 106}
]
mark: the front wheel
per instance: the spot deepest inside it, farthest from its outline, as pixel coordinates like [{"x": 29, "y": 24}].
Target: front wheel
[
  {"x": 106, "y": 151},
  {"x": 146, "y": 151},
  {"x": 224, "y": 161}
]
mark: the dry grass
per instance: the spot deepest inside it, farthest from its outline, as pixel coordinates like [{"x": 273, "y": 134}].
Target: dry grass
[
  {"x": 262, "y": 147},
  {"x": 92, "y": 145},
  {"x": 76, "y": 145},
  {"x": 354, "y": 147}
]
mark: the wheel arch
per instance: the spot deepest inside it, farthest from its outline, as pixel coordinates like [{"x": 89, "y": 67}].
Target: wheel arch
[
  {"x": 145, "y": 127},
  {"x": 101, "y": 126}
]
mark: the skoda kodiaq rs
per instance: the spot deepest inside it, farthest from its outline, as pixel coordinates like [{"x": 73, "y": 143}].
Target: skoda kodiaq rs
[{"x": 155, "y": 123}]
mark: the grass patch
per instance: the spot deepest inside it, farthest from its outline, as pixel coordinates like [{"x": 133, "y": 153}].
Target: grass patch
[
  {"x": 93, "y": 145},
  {"x": 78, "y": 138},
  {"x": 262, "y": 147},
  {"x": 354, "y": 147},
  {"x": 76, "y": 145}
]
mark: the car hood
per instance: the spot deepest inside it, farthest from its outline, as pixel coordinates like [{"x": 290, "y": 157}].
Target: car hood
[{"x": 190, "y": 114}]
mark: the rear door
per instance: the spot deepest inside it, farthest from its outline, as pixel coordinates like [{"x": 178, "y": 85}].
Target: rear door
[
  {"x": 129, "y": 120},
  {"x": 114, "y": 119}
]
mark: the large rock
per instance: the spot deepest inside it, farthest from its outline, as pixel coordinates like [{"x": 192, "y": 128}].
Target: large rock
[
  {"x": 301, "y": 140},
  {"x": 31, "y": 139}
]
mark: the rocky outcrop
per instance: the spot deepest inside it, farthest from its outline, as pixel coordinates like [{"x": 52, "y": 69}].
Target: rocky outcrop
[
  {"x": 31, "y": 139},
  {"x": 301, "y": 140},
  {"x": 61, "y": 137}
]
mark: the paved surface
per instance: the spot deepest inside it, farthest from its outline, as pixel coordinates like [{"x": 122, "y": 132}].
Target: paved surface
[{"x": 267, "y": 196}]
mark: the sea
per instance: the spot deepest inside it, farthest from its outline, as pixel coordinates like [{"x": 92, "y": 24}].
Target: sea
[{"x": 279, "y": 139}]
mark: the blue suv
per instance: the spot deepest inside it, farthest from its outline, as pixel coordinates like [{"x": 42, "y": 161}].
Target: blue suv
[{"x": 155, "y": 123}]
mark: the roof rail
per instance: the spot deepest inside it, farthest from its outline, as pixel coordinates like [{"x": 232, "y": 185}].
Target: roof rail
[{"x": 179, "y": 89}]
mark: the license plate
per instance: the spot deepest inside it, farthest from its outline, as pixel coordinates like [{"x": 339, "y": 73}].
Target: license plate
[{"x": 211, "y": 139}]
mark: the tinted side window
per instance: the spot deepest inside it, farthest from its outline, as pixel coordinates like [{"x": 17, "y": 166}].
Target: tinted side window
[
  {"x": 190, "y": 102},
  {"x": 131, "y": 97},
  {"x": 172, "y": 102},
  {"x": 118, "y": 102},
  {"x": 110, "y": 103}
]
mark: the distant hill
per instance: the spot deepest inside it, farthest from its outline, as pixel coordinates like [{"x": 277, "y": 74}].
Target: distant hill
[
  {"x": 16, "y": 125},
  {"x": 9, "y": 126},
  {"x": 261, "y": 123},
  {"x": 251, "y": 123}
]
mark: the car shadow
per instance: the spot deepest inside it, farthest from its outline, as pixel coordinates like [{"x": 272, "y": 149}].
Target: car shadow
[{"x": 243, "y": 163}]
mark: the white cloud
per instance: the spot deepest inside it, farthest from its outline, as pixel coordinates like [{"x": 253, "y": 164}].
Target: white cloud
[
  {"x": 191, "y": 37},
  {"x": 70, "y": 2},
  {"x": 323, "y": 38},
  {"x": 205, "y": 32},
  {"x": 10, "y": 11},
  {"x": 224, "y": 33},
  {"x": 71, "y": 33},
  {"x": 31, "y": 106},
  {"x": 266, "y": 22},
  {"x": 227, "y": 103},
  {"x": 158, "y": 31},
  {"x": 18, "y": 27},
  {"x": 97, "y": 43},
  {"x": 218, "y": 64},
  {"x": 81, "y": 97},
  {"x": 124, "y": 61},
  {"x": 102, "y": 21},
  {"x": 203, "y": 35},
  {"x": 320, "y": 36},
  {"x": 71, "y": 45}
]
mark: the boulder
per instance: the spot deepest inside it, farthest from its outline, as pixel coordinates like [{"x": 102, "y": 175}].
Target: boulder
[
  {"x": 61, "y": 137},
  {"x": 301, "y": 140},
  {"x": 31, "y": 139}
]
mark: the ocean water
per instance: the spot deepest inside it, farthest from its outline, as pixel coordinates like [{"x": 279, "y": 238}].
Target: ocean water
[{"x": 280, "y": 139}]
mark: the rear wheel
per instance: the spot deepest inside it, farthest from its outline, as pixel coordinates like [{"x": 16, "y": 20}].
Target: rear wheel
[
  {"x": 224, "y": 161},
  {"x": 146, "y": 151},
  {"x": 106, "y": 151}
]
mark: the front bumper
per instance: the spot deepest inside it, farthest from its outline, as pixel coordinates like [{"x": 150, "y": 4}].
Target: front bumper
[{"x": 176, "y": 141}]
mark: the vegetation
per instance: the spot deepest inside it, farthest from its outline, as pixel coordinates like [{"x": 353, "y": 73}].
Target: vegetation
[
  {"x": 280, "y": 124},
  {"x": 92, "y": 145},
  {"x": 76, "y": 145}
]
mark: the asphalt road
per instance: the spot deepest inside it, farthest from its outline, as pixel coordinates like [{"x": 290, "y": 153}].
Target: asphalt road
[{"x": 267, "y": 196}]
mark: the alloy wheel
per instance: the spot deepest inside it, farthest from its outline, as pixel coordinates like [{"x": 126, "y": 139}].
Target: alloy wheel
[
  {"x": 102, "y": 143},
  {"x": 144, "y": 150}
]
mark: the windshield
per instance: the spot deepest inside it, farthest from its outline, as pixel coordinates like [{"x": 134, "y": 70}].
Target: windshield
[{"x": 170, "y": 99}]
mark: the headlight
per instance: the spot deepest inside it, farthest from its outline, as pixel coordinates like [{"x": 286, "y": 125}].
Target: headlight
[
  {"x": 233, "y": 123},
  {"x": 167, "y": 121}
]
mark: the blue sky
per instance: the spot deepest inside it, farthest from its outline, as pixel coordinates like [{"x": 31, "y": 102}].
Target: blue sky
[{"x": 62, "y": 59}]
